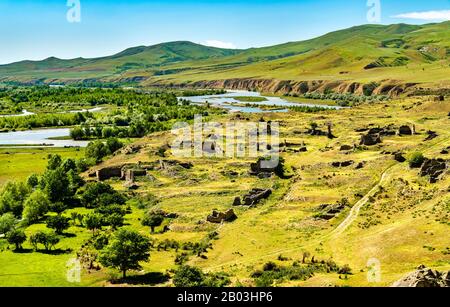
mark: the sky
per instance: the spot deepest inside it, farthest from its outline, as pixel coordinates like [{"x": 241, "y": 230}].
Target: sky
[{"x": 37, "y": 29}]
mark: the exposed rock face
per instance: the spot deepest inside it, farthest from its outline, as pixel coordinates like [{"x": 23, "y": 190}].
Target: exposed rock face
[
  {"x": 284, "y": 87},
  {"x": 220, "y": 217},
  {"x": 405, "y": 130},
  {"x": 425, "y": 278},
  {"x": 370, "y": 139},
  {"x": 434, "y": 168},
  {"x": 342, "y": 164}
]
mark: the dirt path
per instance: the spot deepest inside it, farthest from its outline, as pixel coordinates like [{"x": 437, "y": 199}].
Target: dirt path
[{"x": 354, "y": 213}]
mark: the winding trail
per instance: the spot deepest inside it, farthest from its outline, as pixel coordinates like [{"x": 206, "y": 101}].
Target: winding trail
[{"x": 354, "y": 212}]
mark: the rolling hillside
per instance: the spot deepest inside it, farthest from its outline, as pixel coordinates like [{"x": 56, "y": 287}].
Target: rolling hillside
[{"x": 400, "y": 53}]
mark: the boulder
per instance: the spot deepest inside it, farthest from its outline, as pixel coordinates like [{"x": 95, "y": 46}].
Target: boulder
[
  {"x": 399, "y": 157},
  {"x": 424, "y": 277},
  {"x": 328, "y": 212},
  {"x": 220, "y": 217}
]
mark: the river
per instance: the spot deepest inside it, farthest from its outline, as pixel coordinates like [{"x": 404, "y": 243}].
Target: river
[
  {"x": 226, "y": 101},
  {"x": 39, "y": 138}
]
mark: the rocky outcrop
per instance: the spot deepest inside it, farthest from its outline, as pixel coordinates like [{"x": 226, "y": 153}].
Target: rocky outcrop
[
  {"x": 434, "y": 168},
  {"x": 220, "y": 217},
  {"x": 424, "y": 277}
]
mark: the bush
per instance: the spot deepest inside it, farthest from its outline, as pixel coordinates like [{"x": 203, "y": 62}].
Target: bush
[
  {"x": 7, "y": 223},
  {"x": 17, "y": 237},
  {"x": 416, "y": 160}
]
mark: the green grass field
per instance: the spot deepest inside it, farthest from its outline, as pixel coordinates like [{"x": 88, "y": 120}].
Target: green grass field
[{"x": 19, "y": 163}]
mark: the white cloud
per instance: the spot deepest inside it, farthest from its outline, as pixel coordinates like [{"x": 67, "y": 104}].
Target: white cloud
[
  {"x": 429, "y": 15},
  {"x": 220, "y": 44}
]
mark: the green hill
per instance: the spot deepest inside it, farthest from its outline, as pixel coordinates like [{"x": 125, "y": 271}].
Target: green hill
[{"x": 406, "y": 53}]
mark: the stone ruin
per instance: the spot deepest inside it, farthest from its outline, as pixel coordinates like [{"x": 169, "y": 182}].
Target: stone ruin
[
  {"x": 253, "y": 197},
  {"x": 424, "y": 277},
  {"x": 434, "y": 168},
  {"x": 256, "y": 169},
  {"x": 431, "y": 135},
  {"x": 343, "y": 164},
  {"x": 328, "y": 212},
  {"x": 220, "y": 217},
  {"x": 370, "y": 139},
  {"x": 405, "y": 130}
]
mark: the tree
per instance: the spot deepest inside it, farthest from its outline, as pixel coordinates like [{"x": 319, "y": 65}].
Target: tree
[
  {"x": 96, "y": 150},
  {"x": 35, "y": 207},
  {"x": 56, "y": 185},
  {"x": 190, "y": 277},
  {"x": 77, "y": 133},
  {"x": 17, "y": 237},
  {"x": 100, "y": 194},
  {"x": 58, "y": 223},
  {"x": 33, "y": 181},
  {"x": 54, "y": 162},
  {"x": 113, "y": 144},
  {"x": 125, "y": 251},
  {"x": 93, "y": 221},
  {"x": 7, "y": 223},
  {"x": 115, "y": 220},
  {"x": 48, "y": 239},
  {"x": 12, "y": 197},
  {"x": 153, "y": 219}
]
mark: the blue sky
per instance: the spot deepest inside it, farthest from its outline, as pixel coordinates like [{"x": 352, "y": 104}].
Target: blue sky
[{"x": 37, "y": 29}]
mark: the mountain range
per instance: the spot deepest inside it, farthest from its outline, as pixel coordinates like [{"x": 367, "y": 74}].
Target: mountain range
[{"x": 399, "y": 53}]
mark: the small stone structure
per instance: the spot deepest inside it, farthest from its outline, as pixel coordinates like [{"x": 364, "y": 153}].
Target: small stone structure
[
  {"x": 255, "y": 196},
  {"x": 343, "y": 164},
  {"x": 328, "y": 212},
  {"x": 220, "y": 217},
  {"x": 370, "y": 139},
  {"x": 434, "y": 168},
  {"x": 405, "y": 130}
]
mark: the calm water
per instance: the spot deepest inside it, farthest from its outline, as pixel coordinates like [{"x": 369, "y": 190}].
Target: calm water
[
  {"x": 40, "y": 137},
  {"x": 26, "y": 113},
  {"x": 224, "y": 100}
]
